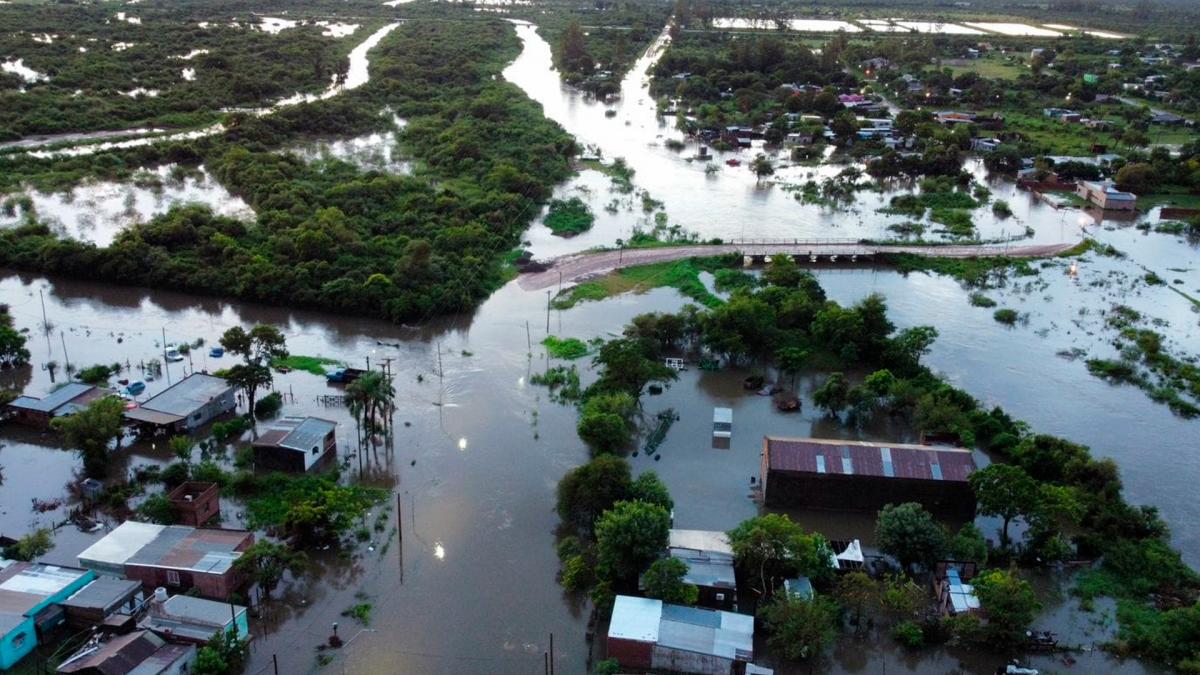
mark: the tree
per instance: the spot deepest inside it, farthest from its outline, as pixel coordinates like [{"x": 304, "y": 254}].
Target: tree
[
  {"x": 910, "y": 534},
  {"x": 12, "y": 342},
  {"x": 791, "y": 360},
  {"x": 857, "y": 592},
  {"x": 224, "y": 653},
  {"x": 629, "y": 536},
  {"x": 832, "y": 395},
  {"x": 1004, "y": 159},
  {"x": 664, "y": 581},
  {"x": 773, "y": 545},
  {"x": 969, "y": 545},
  {"x": 605, "y": 421},
  {"x": 906, "y": 349},
  {"x": 31, "y": 546},
  {"x": 91, "y": 431},
  {"x": 260, "y": 345},
  {"x": 799, "y": 628},
  {"x": 265, "y": 562},
  {"x": 1009, "y": 604},
  {"x": 649, "y": 488},
  {"x": 181, "y": 447},
  {"x": 249, "y": 377},
  {"x": 629, "y": 365},
  {"x": 1137, "y": 177},
  {"x": 902, "y": 598},
  {"x": 1005, "y": 491},
  {"x": 762, "y": 166},
  {"x": 573, "y": 50},
  {"x": 782, "y": 271},
  {"x": 374, "y": 395},
  {"x": 589, "y": 490}
]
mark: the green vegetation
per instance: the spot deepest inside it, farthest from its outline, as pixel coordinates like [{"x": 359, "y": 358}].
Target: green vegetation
[
  {"x": 360, "y": 612},
  {"x": 331, "y": 236},
  {"x": 92, "y": 432},
  {"x": 12, "y": 342},
  {"x": 910, "y": 534},
  {"x": 98, "y": 374},
  {"x": 265, "y": 563},
  {"x": 316, "y": 365},
  {"x": 311, "y": 508},
  {"x": 563, "y": 382},
  {"x": 31, "y": 546},
  {"x": 1006, "y": 316},
  {"x": 568, "y": 217},
  {"x": 981, "y": 300},
  {"x": 1147, "y": 364},
  {"x": 565, "y": 348},
  {"x": 683, "y": 275}
]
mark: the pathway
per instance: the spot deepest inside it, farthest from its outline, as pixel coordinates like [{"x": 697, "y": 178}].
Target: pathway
[{"x": 572, "y": 268}]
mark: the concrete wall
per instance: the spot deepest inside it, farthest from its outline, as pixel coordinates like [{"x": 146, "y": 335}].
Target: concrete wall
[
  {"x": 214, "y": 408},
  {"x": 675, "y": 660},
  {"x": 866, "y": 493}
]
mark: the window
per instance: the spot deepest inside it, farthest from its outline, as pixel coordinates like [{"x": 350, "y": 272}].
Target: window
[
  {"x": 315, "y": 449},
  {"x": 197, "y": 416},
  {"x": 18, "y": 640},
  {"x": 172, "y": 577}
]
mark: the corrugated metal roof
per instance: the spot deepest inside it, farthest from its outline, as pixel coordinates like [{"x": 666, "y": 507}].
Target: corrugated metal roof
[
  {"x": 710, "y": 569},
  {"x": 161, "y": 660},
  {"x": 921, "y": 462},
  {"x": 103, "y": 593},
  {"x": 635, "y": 619},
  {"x": 189, "y": 394},
  {"x": 701, "y": 540},
  {"x": 121, "y": 544},
  {"x": 24, "y": 586},
  {"x": 55, "y": 399},
  {"x": 151, "y": 416},
  {"x": 187, "y": 548},
  {"x": 199, "y": 610},
  {"x": 297, "y": 433},
  {"x": 118, "y": 656}
]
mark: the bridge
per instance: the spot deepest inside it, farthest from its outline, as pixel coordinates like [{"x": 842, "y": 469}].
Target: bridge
[{"x": 569, "y": 269}]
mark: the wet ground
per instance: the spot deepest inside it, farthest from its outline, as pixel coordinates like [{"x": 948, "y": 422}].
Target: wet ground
[{"x": 478, "y": 451}]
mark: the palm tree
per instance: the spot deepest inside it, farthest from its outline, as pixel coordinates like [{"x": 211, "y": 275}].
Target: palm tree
[{"x": 376, "y": 394}]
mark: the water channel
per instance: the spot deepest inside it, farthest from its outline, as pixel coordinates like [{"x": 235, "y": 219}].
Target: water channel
[{"x": 478, "y": 451}]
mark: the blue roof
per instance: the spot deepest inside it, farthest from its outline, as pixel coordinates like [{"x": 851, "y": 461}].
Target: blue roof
[{"x": 56, "y": 399}]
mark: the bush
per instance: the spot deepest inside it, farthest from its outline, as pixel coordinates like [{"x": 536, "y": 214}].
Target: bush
[
  {"x": 158, "y": 509},
  {"x": 33, "y": 545},
  {"x": 909, "y": 634},
  {"x": 568, "y": 217},
  {"x": 223, "y": 431},
  {"x": 981, "y": 300},
  {"x": 1006, "y": 316},
  {"x": 98, "y": 374},
  {"x": 267, "y": 406}
]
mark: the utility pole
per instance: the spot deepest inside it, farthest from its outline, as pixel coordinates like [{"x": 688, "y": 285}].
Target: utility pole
[
  {"x": 65, "y": 357},
  {"x": 45, "y": 323},
  {"x": 552, "y": 654},
  {"x": 441, "y": 372},
  {"x": 547, "y": 311},
  {"x": 528, "y": 338},
  {"x": 166, "y": 365}
]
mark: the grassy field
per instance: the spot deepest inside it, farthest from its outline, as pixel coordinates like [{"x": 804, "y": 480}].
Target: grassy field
[
  {"x": 312, "y": 364},
  {"x": 683, "y": 275},
  {"x": 1054, "y": 137},
  {"x": 992, "y": 67},
  {"x": 1181, "y": 199}
]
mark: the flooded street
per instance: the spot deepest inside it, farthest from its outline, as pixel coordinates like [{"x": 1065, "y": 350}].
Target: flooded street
[{"x": 469, "y": 586}]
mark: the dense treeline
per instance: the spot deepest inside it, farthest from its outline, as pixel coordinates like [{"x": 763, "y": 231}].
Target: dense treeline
[
  {"x": 91, "y": 59},
  {"x": 333, "y": 237}
]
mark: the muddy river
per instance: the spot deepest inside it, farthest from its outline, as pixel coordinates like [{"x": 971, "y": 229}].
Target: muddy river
[{"x": 470, "y": 587}]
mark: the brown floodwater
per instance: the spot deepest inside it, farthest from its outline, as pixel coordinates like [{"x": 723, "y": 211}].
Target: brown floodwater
[{"x": 478, "y": 450}]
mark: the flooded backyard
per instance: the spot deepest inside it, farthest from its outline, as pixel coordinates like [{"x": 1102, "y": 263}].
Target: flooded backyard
[{"x": 469, "y": 586}]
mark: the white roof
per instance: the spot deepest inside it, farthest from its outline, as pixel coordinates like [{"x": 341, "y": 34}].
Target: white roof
[
  {"x": 701, "y": 540},
  {"x": 723, "y": 415},
  {"x": 853, "y": 552},
  {"x": 635, "y": 619},
  {"x": 121, "y": 544}
]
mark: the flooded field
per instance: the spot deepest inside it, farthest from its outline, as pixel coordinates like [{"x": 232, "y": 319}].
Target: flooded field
[{"x": 478, "y": 450}]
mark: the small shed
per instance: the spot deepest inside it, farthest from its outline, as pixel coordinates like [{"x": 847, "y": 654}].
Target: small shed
[
  {"x": 184, "y": 619},
  {"x": 709, "y": 559},
  {"x": 66, "y": 400},
  {"x": 650, "y": 634},
  {"x": 296, "y": 445},
  {"x": 138, "y": 653},
  {"x": 104, "y": 597},
  {"x": 196, "y": 502}
]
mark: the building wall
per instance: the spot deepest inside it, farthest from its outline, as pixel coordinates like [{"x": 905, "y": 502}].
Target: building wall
[
  {"x": 214, "y": 408},
  {"x": 32, "y": 418},
  {"x": 631, "y": 653},
  {"x": 675, "y": 660},
  {"x": 866, "y": 493},
  {"x": 215, "y": 586},
  {"x": 274, "y": 458},
  {"x": 26, "y": 632}
]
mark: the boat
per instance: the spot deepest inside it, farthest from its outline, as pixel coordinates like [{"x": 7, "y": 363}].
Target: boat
[
  {"x": 216, "y": 352},
  {"x": 733, "y": 162},
  {"x": 173, "y": 355}
]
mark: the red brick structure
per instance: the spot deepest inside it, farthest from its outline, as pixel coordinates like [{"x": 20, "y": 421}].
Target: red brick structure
[{"x": 196, "y": 502}]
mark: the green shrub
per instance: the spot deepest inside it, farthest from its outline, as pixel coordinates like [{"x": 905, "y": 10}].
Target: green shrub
[
  {"x": 568, "y": 217},
  {"x": 981, "y": 300},
  {"x": 1006, "y": 316},
  {"x": 909, "y": 634},
  {"x": 268, "y": 406}
]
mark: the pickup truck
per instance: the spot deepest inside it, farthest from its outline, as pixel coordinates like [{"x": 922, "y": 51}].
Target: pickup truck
[{"x": 343, "y": 375}]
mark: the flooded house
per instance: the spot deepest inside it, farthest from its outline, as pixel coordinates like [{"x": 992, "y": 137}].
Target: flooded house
[
  {"x": 856, "y": 476},
  {"x": 188, "y": 620},
  {"x": 29, "y": 597},
  {"x": 106, "y": 602},
  {"x": 196, "y": 502},
  {"x": 1105, "y": 195},
  {"x": 650, "y": 634},
  {"x": 189, "y": 403},
  {"x": 709, "y": 560},
  {"x": 172, "y": 556},
  {"x": 296, "y": 445},
  {"x": 66, "y": 400},
  {"x": 137, "y": 653}
]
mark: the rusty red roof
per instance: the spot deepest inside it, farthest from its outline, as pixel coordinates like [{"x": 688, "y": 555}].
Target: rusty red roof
[{"x": 883, "y": 460}]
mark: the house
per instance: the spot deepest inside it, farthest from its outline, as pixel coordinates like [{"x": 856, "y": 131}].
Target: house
[
  {"x": 1105, "y": 195},
  {"x": 66, "y": 400},
  {"x": 853, "y": 100},
  {"x": 296, "y": 445},
  {"x": 188, "y": 620},
  {"x": 105, "y": 602},
  {"x": 1163, "y": 117},
  {"x": 858, "y": 476},
  {"x": 985, "y": 144},
  {"x": 29, "y": 593},
  {"x": 709, "y": 559},
  {"x": 196, "y": 502},
  {"x": 137, "y": 653},
  {"x": 953, "y": 117},
  {"x": 173, "y": 556},
  {"x": 650, "y": 634},
  {"x": 875, "y": 64},
  {"x": 181, "y": 408},
  {"x": 954, "y": 595}
]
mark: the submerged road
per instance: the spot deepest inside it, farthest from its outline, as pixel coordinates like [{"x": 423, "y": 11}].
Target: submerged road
[{"x": 572, "y": 268}]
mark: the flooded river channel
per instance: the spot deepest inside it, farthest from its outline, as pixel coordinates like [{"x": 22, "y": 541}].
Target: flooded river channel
[{"x": 470, "y": 586}]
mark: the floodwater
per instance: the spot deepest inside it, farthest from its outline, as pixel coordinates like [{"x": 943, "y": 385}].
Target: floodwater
[
  {"x": 95, "y": 211},
  {"x": 1014, "y": 29},
  {"x": 800, "y": 25},
  {"x": 478, "y": 450},
  {"x": 357, "y": 75}
]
